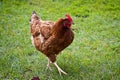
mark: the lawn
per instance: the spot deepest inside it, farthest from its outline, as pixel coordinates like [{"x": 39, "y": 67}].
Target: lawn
[{"x": 93, "y": 55}]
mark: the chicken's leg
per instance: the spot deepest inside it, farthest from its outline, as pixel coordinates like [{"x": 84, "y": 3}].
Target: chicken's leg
[
  {"x": 59, "y": 69},
  {"x": 48, "y": 64}
]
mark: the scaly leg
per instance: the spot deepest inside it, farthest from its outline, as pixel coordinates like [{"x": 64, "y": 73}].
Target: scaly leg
[
  {"x": 59, "y": 69},
  {"x": 48, "y": 64}
]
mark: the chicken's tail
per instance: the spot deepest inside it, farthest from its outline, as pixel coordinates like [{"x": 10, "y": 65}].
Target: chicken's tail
[
  {"x": 34, "y": 17},
  {"x": 33, "y": 12}
]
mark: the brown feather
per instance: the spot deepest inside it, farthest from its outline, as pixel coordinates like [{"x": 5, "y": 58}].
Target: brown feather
[{"x": 50, "y": 37}]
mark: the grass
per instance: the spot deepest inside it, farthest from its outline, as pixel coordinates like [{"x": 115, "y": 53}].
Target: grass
[{"x": 93, "y": 55}]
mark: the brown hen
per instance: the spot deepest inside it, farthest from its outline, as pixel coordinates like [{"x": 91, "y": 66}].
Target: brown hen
[{"x": 51, "y": 38}]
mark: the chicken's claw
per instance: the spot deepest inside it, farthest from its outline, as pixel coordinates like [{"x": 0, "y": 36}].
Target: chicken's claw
[
  {"x": 48, "y": 65},
  {"x": 59, "y": 69}
]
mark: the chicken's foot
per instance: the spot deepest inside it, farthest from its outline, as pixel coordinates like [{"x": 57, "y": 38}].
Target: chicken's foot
[
  {"x": 48, "y": 64},
  {"x": 59, "y": 69}
]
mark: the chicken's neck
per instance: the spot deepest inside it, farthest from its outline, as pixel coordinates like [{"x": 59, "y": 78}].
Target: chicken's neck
[{"x": 59, "y": 29}]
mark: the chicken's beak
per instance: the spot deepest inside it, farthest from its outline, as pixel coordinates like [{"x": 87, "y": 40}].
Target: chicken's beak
[{"x": 73, "y": 23}]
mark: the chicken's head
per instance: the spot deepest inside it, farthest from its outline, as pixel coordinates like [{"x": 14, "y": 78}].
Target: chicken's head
[{"x": 68, "y": 21}]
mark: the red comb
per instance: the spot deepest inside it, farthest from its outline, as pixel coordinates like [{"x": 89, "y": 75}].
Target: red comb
[{"x": 68, "y": 16}]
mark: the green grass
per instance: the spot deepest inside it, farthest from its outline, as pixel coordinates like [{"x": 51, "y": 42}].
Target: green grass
[{"x": 93, "y": 55}]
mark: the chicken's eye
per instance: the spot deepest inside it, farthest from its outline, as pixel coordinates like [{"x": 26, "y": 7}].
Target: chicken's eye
[{"x": 66, "y": 23}]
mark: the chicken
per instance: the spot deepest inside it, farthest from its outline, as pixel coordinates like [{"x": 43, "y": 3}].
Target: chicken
[{"x": 50, "y": 38}]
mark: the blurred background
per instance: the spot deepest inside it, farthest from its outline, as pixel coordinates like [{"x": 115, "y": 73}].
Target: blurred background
[{"x": 93, "y": 55}]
